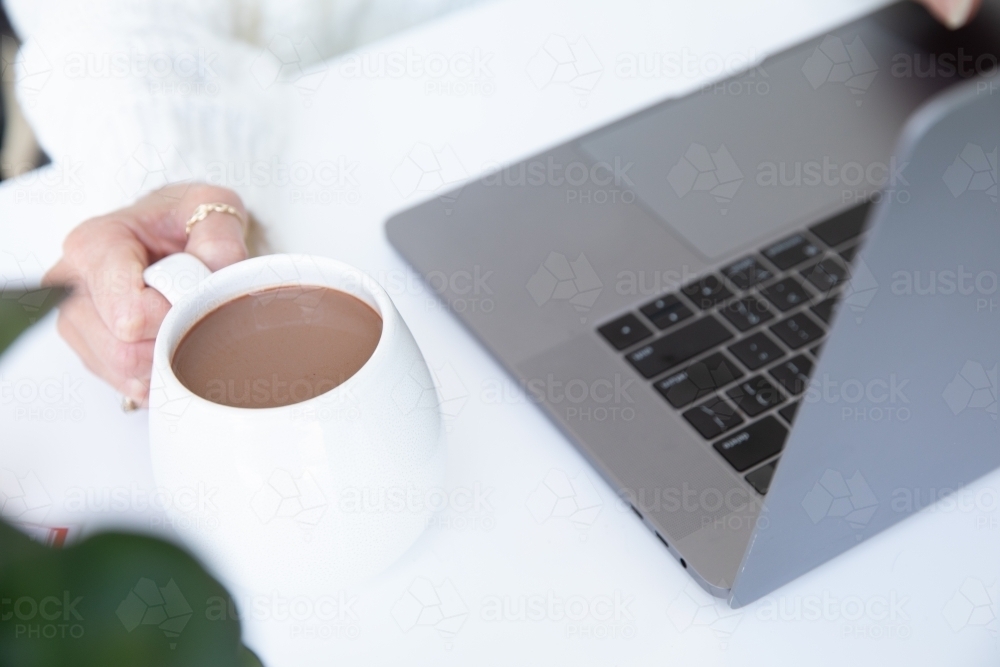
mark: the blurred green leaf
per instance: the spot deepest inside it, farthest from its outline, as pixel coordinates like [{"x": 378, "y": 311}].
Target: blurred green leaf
[
  {"x": 113, "y": 599},
  {"x": 19, "y": 309}
]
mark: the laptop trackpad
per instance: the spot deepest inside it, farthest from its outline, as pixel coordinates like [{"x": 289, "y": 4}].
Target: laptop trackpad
[{"x": 809, "y": 133}]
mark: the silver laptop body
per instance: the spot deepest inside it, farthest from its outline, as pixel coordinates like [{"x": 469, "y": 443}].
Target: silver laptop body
[{"x": 759, "y": 313}]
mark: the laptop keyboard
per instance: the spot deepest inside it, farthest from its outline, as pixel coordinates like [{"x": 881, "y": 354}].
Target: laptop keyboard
[{"x": 733, "y": 351}]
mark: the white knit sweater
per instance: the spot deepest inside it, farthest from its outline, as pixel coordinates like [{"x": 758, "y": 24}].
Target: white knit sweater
[{"x": 131, "y": 94}]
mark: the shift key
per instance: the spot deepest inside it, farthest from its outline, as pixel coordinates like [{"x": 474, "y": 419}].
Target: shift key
[
  {"x": 679, "y": 346},
  {"x": 749, "y": 446}
]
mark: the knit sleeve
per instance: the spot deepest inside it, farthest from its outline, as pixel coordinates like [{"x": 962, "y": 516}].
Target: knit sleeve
[{"x": 130, "y": 95}]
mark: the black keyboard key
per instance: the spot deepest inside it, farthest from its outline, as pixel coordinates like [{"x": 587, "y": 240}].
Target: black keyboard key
[
  {"x": 788, "y": 412},
  {"x": 797, "y": 330},
  {"x": 849, "y": 252},
  {"x": 707, "y": 292},
  {"x": 746, "y": 273},
  {"x": 666, "y": 311},
  {"x": 752, "y": 444},
  {"x": 755, "y": 395},
  {"x": 626, "y": 330},
  {"x": 825, "y": 275},
  {"x": 713, "y": 417},
  {"x": 793, "y": 375},
  {"x": 756, "y": 350},
  {"x": 698, "y": 380},
  {"x": 791, "y": 251},
  {"x": 746, "y": 313},
  {"x": 679, "y": 346},
  {"x": 842, "y": 227},
  {"x": 786, "y": 294},
  {"x": 824, "y": 309},
  {"x": 760, "y": 479}
]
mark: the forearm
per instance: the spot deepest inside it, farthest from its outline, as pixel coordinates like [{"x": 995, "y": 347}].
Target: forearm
[{"x": 137, "y": 99}]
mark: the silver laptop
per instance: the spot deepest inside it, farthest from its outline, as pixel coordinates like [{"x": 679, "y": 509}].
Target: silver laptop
[{"x": 767, "y": 313}]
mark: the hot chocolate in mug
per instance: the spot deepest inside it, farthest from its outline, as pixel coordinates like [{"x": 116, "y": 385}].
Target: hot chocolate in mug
[{"x": 305, "y": 497}]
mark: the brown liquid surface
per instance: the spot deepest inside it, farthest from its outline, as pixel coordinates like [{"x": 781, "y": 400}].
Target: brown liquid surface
[{"x": 276, "y": 347}]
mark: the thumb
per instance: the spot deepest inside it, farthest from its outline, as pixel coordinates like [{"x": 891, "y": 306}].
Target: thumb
[
  {"x": 220, "y": 239},
  {"x": 953, "y": 13}
]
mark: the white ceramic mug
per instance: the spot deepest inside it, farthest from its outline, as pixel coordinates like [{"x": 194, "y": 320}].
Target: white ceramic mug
[{"x": 295, "y": 499}]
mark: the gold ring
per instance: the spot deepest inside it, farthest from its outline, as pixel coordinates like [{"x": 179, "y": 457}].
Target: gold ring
[
  {"x": 128, "y": 405},
  {"x": 203, "y": 211}
]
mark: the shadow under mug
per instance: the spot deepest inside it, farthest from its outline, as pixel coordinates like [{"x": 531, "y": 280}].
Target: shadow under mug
[{"x": 307, "y": 497}]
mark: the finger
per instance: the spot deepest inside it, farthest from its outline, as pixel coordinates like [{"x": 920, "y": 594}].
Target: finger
[
  {"x": 107, "y": 255},
  {"x": 125, "y": 366},
  {"x": 952, "y": 13},
  {"x": 220, "y": 239},
  {"x": 108, "y": 259},
  {"x": 60, "y": 275},
  {"x": 217, "y": 241},
  {"x": 130, "y": 387}
]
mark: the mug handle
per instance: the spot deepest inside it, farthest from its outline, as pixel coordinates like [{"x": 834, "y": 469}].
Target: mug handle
[{"x": 176, "y": 276}]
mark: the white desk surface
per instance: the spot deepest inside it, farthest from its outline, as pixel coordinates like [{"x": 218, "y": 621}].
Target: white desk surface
[{"x": 922, "y": 593}]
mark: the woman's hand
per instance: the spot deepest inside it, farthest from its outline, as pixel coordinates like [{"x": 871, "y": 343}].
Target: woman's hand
[
  {"x": 112, "y": 318},
  {"x": 952, "y": 13}
]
